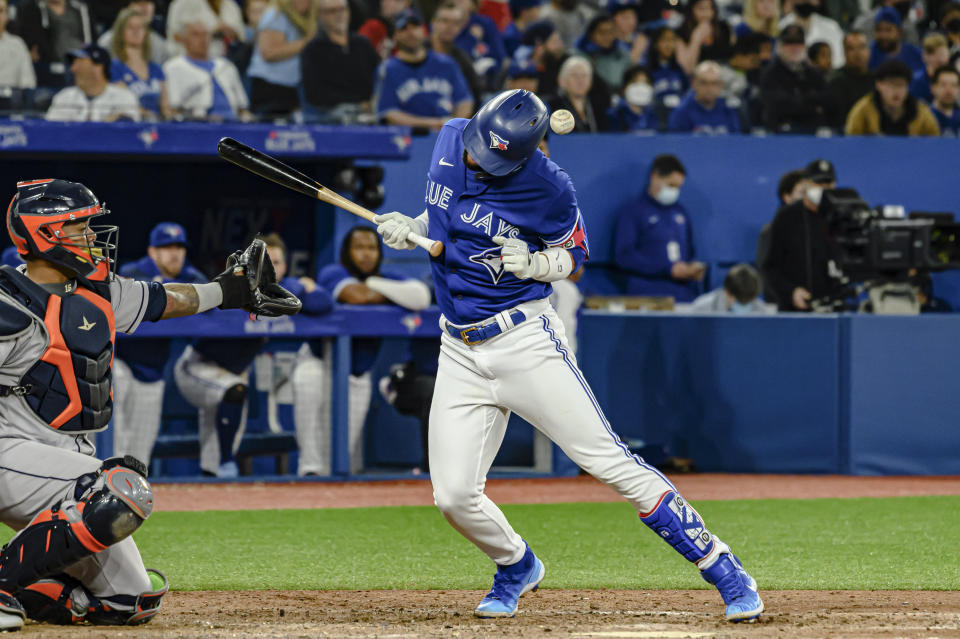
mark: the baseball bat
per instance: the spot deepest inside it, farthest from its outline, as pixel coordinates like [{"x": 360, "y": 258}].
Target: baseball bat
[{"x": 276, "y": 171}]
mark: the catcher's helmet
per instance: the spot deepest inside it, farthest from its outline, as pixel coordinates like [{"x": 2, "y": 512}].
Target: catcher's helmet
[
  {"x": 506, "y": 131},
  {"x": 35, "y": 220}
]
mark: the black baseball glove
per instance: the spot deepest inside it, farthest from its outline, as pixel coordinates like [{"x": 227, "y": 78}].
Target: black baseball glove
[{"x": 249, "y": 282}]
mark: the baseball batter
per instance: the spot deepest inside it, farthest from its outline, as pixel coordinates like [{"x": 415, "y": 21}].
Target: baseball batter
[
  {"x": 510, "y": 224},
  {"x": 73, "y": 558}
]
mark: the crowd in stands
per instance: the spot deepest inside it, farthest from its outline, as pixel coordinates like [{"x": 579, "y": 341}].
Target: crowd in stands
[{"x": 712, "y": 67}]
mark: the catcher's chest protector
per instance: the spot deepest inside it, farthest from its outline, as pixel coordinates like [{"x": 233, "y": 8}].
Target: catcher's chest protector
[{"x": 69, "y": 387}]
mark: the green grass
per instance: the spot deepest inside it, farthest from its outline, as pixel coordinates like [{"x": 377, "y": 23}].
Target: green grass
[{"x": 900, "y": 543}]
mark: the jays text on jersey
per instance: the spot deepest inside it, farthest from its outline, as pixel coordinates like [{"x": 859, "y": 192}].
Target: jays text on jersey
[{"x": 537, "y": 204}]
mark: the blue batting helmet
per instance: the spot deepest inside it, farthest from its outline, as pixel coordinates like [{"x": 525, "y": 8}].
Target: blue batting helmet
[{"x": 506, "y": 131}]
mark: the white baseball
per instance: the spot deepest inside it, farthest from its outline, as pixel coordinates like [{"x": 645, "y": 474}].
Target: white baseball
[{"x": 561, "y": 122}]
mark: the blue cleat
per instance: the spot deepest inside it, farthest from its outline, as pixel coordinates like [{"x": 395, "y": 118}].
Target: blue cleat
[
  {"x": 738, "y": 589},
  {"x": 509, "y": 584}
]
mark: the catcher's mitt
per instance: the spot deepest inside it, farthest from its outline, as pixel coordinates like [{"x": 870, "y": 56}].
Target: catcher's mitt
[{"x": 249, "y": 282}]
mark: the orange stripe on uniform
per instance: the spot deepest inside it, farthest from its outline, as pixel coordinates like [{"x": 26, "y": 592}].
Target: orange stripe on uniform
[
  {"x": 88, "y": 540},
  {"x": 59, "y": 355}
]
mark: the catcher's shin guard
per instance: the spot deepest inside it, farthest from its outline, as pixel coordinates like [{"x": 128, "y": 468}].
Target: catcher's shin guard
[
  {"x": 681, "y": 526},
  {"x": 108, "y": 506},
  {"x": 61, "y": 599}
]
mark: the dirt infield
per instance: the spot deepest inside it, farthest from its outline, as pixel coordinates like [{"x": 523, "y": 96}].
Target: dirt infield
[
  {"x": 215, "y": 496},
  {"x": 547, "y": 613}
]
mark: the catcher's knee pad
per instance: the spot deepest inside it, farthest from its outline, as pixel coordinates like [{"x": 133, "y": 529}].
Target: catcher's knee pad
[
  {"x": 61, "y": 599},
  {"x": 680, "y": 526},
  {"x": 108, "y": 505}
]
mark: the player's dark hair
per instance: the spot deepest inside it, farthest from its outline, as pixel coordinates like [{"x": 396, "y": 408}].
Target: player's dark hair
[
  {"x": 665, "y": 164},
  {"x": 788, "y": 181},
  {"x": 941, "y": 70},
  {"x": 347, "y": 260},
  {"x": 596, "y": 21},
  {"x": 273, "y": 240},
  {"x": 742, "y": 283}
]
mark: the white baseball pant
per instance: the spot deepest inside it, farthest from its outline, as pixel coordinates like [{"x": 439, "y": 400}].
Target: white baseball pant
[
  {"x": 137, "y": 408},
  {"x": 530, "y": 370},
  {"x": 203, "y": 384},
  {"x": 311, "y": 413}
]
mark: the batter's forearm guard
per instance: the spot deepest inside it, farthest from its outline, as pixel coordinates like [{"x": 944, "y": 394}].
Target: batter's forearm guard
[{"x": 109, "y": 505}]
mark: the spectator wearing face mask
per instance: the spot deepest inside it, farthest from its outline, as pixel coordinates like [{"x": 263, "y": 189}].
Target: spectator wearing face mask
[
  {"x": 703, "y": 111},
  {"x": 632, "y": 108},
  {"x": 654, "y": 241},
  {"x": 888, "y": 42},
  {"x": 792, "y": 92},
  {"x": 946, "y": 90},
  {"x": 739, "y": 295},
  {"x": 936, "y": 54},
  {"x": 890, "y": 109},
  {"x": 816, "y": 28},
  {"x": 792, "y": 186},
  {"x": 799, "y": 266}
]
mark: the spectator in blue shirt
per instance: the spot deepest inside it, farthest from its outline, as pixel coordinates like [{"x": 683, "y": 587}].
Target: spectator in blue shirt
[
  {"x": 946, "y": 90},
  {"x": 282, "y": 33},
  {"x": 525, "y": 13},
  {"x": 418, "y": 87},
  {"x": 654, "y": 241},
  {"x": 936, "y": 53},
  {"x": 703, "y": 110},
  {"x": 481, "y": 39},
  {"x": 670, "y": 81},
  {"x": 888, "y": 41},
  {"x": 131, "y": 64},
  {"x": 522, "y": 74},
  {"x": 632, "y": 108}
]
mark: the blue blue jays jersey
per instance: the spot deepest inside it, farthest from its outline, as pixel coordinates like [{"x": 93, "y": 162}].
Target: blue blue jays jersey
[
  {"x": 148, "y": 357},
  {"x": 432, "y": 88},
  {"x": 537, "y": 204}
]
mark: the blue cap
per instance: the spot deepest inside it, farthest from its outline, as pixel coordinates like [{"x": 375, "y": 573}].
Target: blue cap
[
  {"x": 11, "y": 257},
  {"x": 888, "y": 14},
  {"x": 516, "y": 6},
  {"x": 405, "y": 17},
  {"x": 523, "y": 68},
  {"x": 167, "y": 233},
  {"x": 95, "y": 53},
  {"x": 538, "y": 32}
]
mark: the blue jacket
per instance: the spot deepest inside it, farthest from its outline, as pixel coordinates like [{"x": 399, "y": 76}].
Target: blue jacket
[
  {"x": 622, "y": 118},
  {"x": 949, "y": 124},
  {"x": 692, "y": 117},
  {"x": 148, "y": 357},
  {"x": 319, "y": 302},
  {"x": 910, "y": 55},
  {"x": 650, "y": 238}
]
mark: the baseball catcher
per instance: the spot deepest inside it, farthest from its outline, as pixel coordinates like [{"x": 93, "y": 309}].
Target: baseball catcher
[{"x": 73, "y": 559}]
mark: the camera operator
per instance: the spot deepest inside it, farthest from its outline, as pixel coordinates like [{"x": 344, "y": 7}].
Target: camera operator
[{"x": 799, "y": 266}]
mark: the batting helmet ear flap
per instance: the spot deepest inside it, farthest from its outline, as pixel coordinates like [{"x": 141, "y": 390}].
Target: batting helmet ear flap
[{"x": 506, "y": 131}]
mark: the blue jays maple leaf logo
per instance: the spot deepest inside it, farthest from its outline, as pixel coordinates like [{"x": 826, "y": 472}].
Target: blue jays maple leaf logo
[
  {"x": 490, "y": 259},
  {"x": 496, "y": 142}
]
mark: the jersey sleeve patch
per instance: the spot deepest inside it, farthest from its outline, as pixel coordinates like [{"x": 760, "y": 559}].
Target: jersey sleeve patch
[{"x": 576, "y": 237}]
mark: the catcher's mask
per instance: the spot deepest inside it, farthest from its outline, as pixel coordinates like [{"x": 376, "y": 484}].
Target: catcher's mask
[{"x": 36, "y": 217}]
